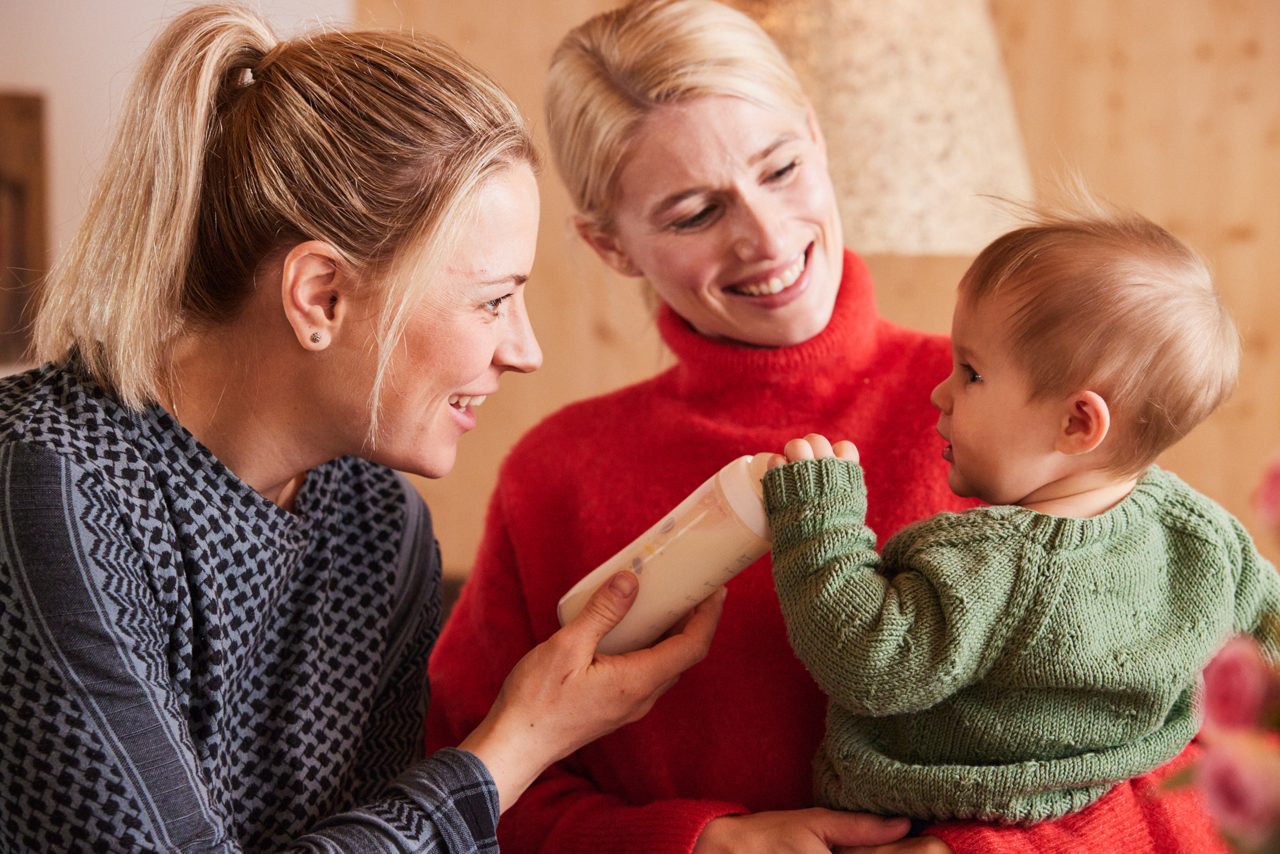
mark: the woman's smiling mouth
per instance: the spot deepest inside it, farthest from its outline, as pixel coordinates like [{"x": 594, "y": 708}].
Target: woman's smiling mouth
[
  {"x": 776, "y": 283},
  {"x": 463, "y": 401}
]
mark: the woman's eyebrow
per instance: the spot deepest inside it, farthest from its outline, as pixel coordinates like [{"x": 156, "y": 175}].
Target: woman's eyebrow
[
  {"x": 513, "y": 278},
  {"x": 782, "y": 139}
]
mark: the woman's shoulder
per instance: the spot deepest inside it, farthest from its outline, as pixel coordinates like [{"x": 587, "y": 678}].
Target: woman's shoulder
[
  {"x": 67, "y": 444},
  {"x": 52, "y": 410},
  {"x": 33, "y": 404}
]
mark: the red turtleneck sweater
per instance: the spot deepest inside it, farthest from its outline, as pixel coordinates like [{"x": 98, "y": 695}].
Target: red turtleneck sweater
[{"x": 738, "y": 732}]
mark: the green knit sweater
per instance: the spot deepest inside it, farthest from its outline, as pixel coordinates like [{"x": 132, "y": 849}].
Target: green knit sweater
[{"x": 1001, "y": 664}]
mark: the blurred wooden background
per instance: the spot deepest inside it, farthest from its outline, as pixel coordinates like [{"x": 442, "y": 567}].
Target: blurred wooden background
[
  {"x": 23, "y": 237},
  {"x": 1170, "y": 108}
]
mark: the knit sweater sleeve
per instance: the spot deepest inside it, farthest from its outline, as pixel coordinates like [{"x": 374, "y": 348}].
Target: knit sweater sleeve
[
  {"x": 887, "y": 638},
  {"x": 488, "y": 631},
  {"x": 98, "y": 747},
  {"x": 1257, "y": 592}
]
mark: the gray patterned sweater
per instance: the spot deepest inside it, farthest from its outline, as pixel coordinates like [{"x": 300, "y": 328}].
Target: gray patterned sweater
[{"x": 187, "y": 666}]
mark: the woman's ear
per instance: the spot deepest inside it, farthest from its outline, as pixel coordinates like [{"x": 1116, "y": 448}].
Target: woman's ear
[
  {"x": 1085, "y": 424},
  {"x": 815, "y": 130},
  {"x": 311, "y": 290},
  {"x": 606, "y": 246}
]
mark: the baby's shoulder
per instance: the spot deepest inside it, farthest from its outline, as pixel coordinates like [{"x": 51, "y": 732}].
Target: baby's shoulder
[{"x": 976, "y": 528}]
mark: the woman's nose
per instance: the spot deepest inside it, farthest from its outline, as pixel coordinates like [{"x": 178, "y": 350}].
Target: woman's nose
[
  {"x": 520, "y": 351},
  {"x": 758, "y": 229}
]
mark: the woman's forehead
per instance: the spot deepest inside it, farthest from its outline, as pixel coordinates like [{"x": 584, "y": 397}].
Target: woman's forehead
[{"x": 704, "y": 141}]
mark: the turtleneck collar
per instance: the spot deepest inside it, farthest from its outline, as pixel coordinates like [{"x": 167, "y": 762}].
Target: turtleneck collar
[{"x": 840, "y": 352}]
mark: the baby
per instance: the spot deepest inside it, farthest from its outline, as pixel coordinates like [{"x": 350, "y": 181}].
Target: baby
[{"x": 1014, "y": 662}]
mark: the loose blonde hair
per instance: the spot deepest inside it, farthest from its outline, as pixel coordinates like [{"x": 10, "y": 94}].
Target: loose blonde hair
[
  {"x": 608, "y": 73},
  {"x": 1109, "y": 301},
  {"x": 234, "y": 145}
]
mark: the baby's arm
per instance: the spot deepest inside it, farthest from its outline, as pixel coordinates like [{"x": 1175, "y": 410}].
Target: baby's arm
[
  {"x": 1257, "y": 594},
  {"x": 884, "y": 640}
]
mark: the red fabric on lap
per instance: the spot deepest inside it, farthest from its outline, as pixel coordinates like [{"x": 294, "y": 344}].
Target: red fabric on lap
[{"x": 1135, "y": 816}]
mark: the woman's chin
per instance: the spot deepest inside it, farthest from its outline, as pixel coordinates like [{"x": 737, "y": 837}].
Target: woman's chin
[{"x": 793, "y": 325}]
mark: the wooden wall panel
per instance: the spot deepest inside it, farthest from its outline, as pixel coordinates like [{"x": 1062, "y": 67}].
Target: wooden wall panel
[{"x": 1170, "y": 108}]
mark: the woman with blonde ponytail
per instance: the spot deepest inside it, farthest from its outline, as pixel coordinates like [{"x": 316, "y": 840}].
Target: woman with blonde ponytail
[{"x": 304, "y": 267}]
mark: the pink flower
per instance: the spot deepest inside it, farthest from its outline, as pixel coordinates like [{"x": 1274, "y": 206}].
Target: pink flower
[
  {"x": 1239, "y": 776},
  {"x": 1237, "y": 685},
  {"x": 1266, "y": 499}
]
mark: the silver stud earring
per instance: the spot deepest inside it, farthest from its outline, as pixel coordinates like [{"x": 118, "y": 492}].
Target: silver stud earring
[{"x": 315, "y": 337}]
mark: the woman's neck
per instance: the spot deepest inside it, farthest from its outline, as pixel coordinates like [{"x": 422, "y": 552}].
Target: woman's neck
[{"x": 233, "y": 395}]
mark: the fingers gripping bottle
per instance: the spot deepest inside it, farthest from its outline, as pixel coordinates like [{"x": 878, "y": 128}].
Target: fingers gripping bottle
[{"x": 716, "y": 532}]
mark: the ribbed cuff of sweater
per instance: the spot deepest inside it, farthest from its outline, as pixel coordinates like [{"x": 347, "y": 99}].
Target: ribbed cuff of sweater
[{"x": 807, "y": 480}]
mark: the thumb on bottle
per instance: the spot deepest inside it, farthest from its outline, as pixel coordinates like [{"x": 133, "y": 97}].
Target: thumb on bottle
[{"x": 608, "y": 605}]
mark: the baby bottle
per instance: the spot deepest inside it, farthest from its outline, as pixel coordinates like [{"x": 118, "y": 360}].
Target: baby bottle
[{"x": 716, "y": 532}]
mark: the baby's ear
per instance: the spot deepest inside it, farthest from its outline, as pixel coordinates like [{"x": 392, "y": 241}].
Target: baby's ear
[{"x": 1085, "y": 423}]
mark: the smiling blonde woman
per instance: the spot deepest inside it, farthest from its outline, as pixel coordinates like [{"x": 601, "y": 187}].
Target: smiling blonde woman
[{"x": 304, "y": 265}]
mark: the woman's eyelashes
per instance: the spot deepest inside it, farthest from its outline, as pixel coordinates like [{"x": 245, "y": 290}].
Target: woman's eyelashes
[
  {"x": 702, "y": 217},
  {"x": 784, "y": 172},
  {"x": 496, "y": 306},
  {"x": 711, "y": 211}
]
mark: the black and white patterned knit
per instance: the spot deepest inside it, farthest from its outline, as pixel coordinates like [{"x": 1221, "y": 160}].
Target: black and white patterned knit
[{"x": 189, "y": 667}]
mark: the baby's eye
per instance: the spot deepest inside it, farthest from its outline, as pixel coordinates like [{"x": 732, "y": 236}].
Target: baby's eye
[{"x": 970, "y": 375}]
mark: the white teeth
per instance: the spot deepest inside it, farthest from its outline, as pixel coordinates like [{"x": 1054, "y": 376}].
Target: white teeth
[
  {"x": 462, "y": 401},
  {"x": 777, "y": 283}
]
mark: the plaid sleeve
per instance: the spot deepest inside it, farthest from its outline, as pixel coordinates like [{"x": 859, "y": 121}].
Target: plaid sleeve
[{"x": 448, "y": 803}]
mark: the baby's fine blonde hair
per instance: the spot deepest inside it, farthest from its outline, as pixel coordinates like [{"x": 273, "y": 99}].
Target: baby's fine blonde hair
[
  {"x": 1108, "y": 301},
  {"x": 235, "y": 145},
  {"x": 611, "y": 71}
]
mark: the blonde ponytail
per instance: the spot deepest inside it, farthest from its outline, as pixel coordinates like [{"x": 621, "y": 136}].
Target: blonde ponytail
[
  {"x": 234, "y": 145},
  {"x": 117, "y": 295}
]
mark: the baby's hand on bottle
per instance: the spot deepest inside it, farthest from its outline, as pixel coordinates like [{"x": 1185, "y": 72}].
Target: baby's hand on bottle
[{"x": 815, "y": 447}]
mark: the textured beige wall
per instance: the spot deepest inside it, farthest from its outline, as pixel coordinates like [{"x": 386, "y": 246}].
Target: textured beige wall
[{"x": 1171, "y": 108}]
